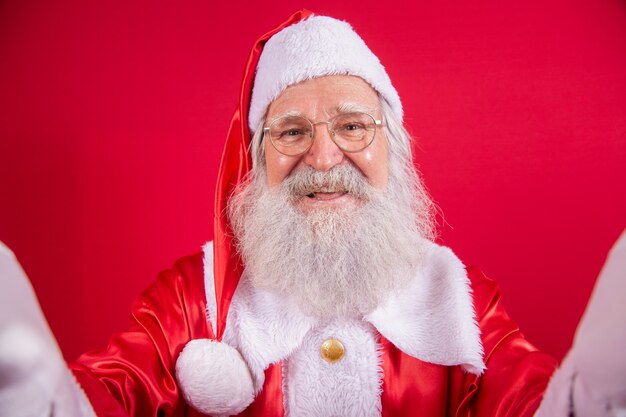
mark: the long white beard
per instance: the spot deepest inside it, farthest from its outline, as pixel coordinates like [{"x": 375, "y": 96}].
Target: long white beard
[{"x": 333, "y": 262}]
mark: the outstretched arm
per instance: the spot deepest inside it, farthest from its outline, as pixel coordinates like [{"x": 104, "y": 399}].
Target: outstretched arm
[
  {"x": 591, "y": 382},
  {"x": 34, "y": 380}
]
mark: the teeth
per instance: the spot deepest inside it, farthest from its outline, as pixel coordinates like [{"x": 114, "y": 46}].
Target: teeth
[
  {"x": 312, "y": 194},
  {"x": 329, "y": 191}
]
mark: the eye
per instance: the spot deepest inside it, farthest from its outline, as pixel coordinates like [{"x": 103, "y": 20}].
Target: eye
[
  {"x": 351, "y": 130},
  {"x": 292, "y": 132},
  {"x": 290, "y": 129},
  {"x": 292, "y": 135},
  {"x": 352, "y": 126}
]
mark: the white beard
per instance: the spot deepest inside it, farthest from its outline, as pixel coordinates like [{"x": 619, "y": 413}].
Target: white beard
[{"x": 332, "y": 262}]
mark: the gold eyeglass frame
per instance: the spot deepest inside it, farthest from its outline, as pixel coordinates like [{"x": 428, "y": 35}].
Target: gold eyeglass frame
[{"x": 328, "y": 123}]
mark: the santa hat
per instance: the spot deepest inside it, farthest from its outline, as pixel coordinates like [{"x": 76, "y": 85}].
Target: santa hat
[
  {"x": 315, "y": 47},
  {"x": 303, "y": 47}
]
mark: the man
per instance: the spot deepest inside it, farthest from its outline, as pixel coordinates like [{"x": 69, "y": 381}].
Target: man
[
  {"x": 323, "y": 293},
  {"x": 343, "y": 305}
]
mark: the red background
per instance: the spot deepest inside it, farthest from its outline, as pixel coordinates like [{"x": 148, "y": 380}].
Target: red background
[{"x": 113, "y": 115}]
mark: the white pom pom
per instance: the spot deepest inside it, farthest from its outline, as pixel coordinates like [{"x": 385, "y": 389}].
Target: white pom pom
[{"x": 214, "y": 378}]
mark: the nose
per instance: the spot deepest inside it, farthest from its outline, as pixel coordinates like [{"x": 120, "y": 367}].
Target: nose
[{"x": 324, "y": 154}]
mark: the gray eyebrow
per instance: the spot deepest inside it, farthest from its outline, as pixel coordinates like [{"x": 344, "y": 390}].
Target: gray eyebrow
[
  {"x": 354, "y": 107},
  {"x": 293, "y": 113},
  {"x": 342, "y": 108},
  {"x": 289, "y": 113}
]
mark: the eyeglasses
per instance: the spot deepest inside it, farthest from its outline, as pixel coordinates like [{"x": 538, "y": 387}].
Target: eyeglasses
[{"x": 293, "y": 135}]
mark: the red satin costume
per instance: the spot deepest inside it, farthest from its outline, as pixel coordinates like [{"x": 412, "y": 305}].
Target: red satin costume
[{"x": 134, "y": 376}]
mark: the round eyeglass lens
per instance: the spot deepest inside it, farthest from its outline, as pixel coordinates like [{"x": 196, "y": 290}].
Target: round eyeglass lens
[
  {"x": 291, "y": 135},
  {"x": 353, "y": 131}
]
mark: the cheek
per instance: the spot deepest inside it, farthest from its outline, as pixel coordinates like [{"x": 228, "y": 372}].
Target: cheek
[
  {"x": 373, "y": 163},
  {"x": 278, "y": 166}
]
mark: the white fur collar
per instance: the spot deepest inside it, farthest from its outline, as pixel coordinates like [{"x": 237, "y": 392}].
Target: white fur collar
[{"x": 433, "y": 320}]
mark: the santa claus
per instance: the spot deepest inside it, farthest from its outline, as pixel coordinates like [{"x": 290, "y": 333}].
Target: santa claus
[{"x": 323, "y": 293}]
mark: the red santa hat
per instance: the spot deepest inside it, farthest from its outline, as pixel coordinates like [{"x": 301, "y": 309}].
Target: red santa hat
[
  {"x": 315, "y": 47},
  {"x": 303, "y": 47}
]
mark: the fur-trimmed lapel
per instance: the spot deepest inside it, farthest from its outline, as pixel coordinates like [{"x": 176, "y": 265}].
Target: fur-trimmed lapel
[{"x": 431, "y": 320}]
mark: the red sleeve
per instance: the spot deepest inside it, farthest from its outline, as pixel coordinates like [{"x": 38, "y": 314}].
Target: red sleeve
[
  {"x": 517, "y": 373},
  {"x": 134, "y": 375}
]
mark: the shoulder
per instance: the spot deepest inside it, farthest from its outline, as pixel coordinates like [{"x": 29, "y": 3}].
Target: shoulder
[
  {"x": 442, "y": 265},
  {"x": 485, "y": 291},
  {"x": 447, "y": 271},
  {"x": 179, "y": 291},
  {"x": 503, "y": 342},
  {"x": 486, "y": 297},
  {"x": 432, "y": 318},
  {"x": 186, "y": 274}
]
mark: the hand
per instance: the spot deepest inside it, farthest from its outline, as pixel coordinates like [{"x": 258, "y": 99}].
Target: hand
[
  {"x": 598, "y": 354},
  {"x": 591, "y": 381},
  {"x": 34, "y": 380}
]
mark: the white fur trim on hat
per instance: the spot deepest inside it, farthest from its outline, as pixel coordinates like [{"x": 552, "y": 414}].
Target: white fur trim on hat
[
  {"x": 214, "y": 378},
  {"x": 313, "y": 48}
]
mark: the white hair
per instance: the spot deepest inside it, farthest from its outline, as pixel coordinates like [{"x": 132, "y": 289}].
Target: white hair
[
  {"x": 335, "y": 261},
  {"x": 401, "y": 166}
]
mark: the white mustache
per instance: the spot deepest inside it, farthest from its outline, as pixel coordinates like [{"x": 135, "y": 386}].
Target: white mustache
[{"x": 339, "y": 179}]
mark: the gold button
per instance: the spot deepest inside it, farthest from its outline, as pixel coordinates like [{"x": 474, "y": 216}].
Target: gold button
[{"x": 332, "y": 350}]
